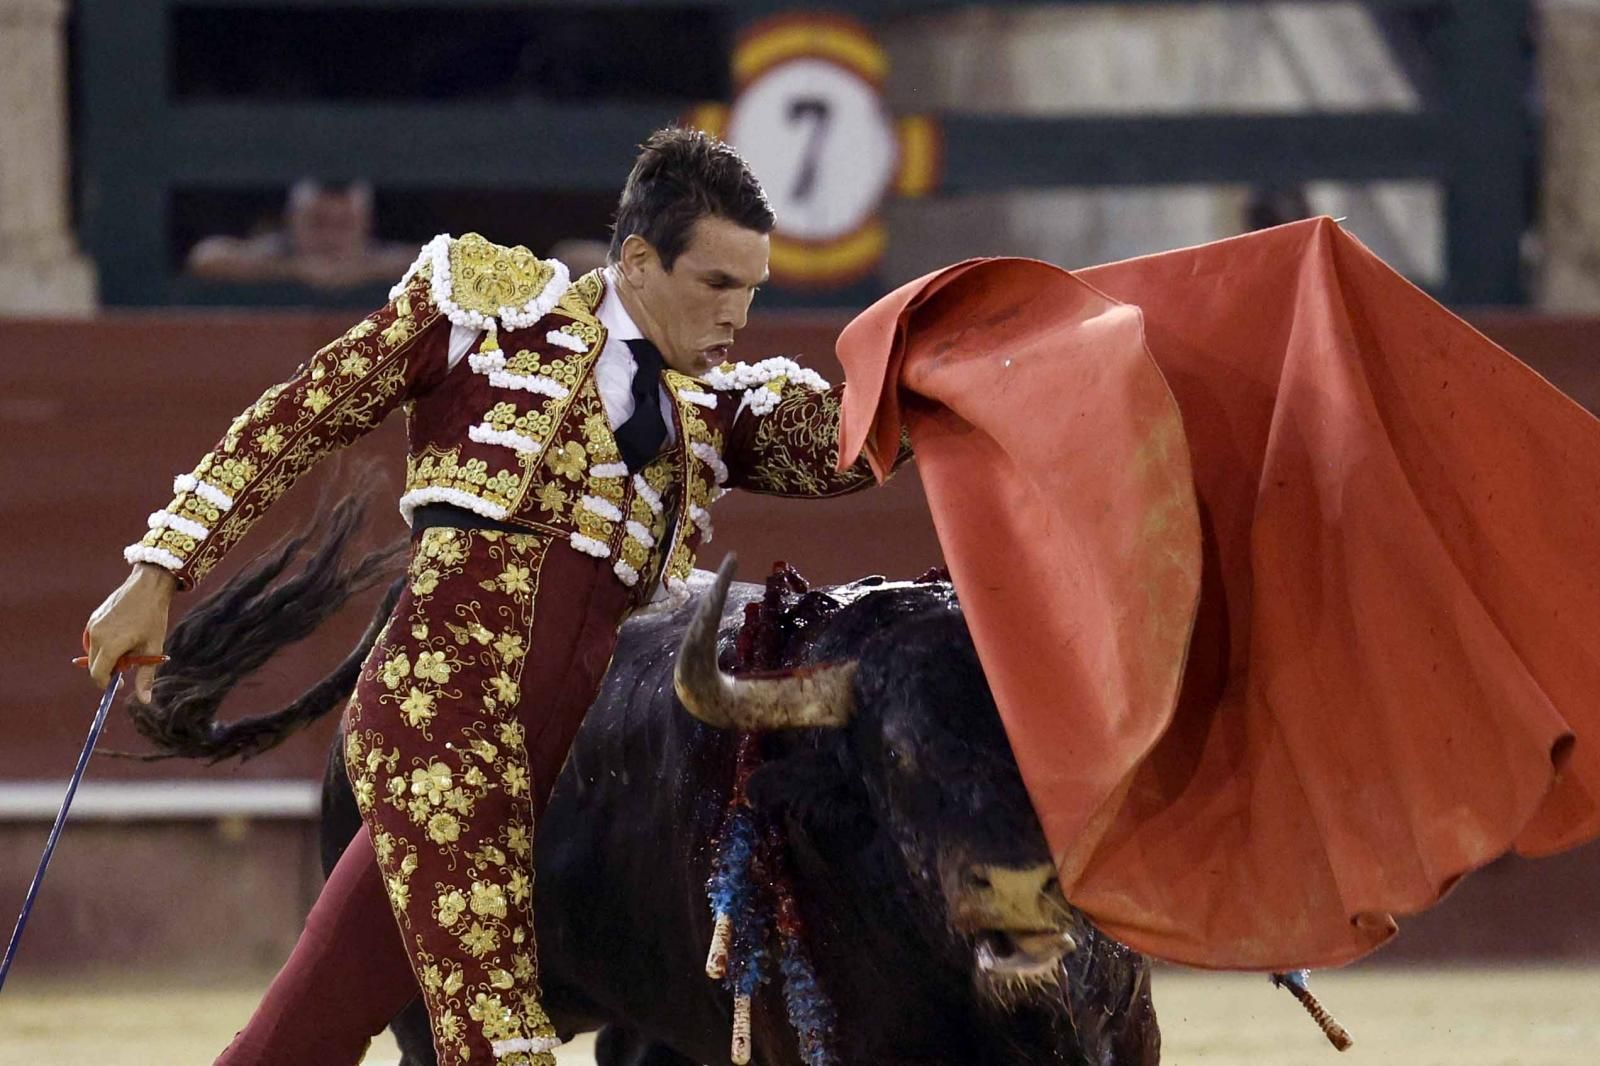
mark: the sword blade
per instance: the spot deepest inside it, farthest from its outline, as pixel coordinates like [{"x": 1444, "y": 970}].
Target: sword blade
[{"x": 61, "y": 820}]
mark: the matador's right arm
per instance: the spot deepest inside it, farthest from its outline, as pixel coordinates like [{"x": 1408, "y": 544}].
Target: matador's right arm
[{"x": 344, "y": 391}]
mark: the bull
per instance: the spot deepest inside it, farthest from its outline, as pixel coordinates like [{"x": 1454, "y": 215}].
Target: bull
[{"x": 935, "y": 923}]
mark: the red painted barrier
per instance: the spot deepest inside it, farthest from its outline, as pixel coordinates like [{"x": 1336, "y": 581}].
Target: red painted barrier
[{"x": 97, "y": 416}]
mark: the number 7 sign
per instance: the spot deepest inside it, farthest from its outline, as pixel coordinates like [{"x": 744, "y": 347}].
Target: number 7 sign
[{"x": 808, "y": 114}]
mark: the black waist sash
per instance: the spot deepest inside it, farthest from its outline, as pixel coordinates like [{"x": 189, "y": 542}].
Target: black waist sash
[{"x": 430, "y": 515}]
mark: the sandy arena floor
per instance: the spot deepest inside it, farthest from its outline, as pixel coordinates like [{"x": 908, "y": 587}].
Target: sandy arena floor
[{"x": 1483, "y": 1017}]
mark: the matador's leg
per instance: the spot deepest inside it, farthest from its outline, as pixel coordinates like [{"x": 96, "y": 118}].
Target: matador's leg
[
  {"x": 454, "y": 737},
  {"x": 347, "y": 977}
]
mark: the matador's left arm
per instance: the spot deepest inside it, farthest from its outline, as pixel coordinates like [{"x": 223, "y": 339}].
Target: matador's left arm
[{"x": 784, "y": 437}]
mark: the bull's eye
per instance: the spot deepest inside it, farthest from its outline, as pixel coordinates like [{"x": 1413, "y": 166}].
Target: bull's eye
[{"x": 893, "y": 755}]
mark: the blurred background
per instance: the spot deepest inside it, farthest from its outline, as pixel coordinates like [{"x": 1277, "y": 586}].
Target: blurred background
[{"x": 196, "y": 194}]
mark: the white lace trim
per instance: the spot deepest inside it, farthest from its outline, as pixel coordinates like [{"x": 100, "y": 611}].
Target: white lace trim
[
  {"x": 708, "y": 455},
  {"x": 629, "y": 576},
  {"x": 437, "y": 251},
  {"x": 604, "y": 508},
  {"x": 589, "y": 546},
  {"x": 674, "y": 592},
  {"x": 484, "y": 433},
  {"x": 646, "y": 493},
  {"x": 455, "y": 497},
  {"x": 213, "y": 495},
  {"x": 487, "y": 362},
  {"x": 529, "y": 383},
  {"x": 702, "y": 518},
  {"x": 493, "y": 365},
  {"x": 704, "y": 399},
  {"x": 203, "y": 489},
  {"x": 639, "y": 533},
  {"x": 531, "y": 1045},
  {"x": 760, "y": 401},
  {"x": 143, "y": 553},
  {"x": 188, "y": 527},
  {"x": 731, "y": 376},
  {"x": 565, "y": 340},
  {"x": 609, "y": 470}
]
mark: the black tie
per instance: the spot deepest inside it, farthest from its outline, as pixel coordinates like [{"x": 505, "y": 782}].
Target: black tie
[{"x": 641, "y": 436}]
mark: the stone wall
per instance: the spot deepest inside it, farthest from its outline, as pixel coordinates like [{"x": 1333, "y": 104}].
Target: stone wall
[
  {"x": 1569, "y": 53},
  {"x": 39, "y": 259},
  {"x": 1107, "y": 59}
]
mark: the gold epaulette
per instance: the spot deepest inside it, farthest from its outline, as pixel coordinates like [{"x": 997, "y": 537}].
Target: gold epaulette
[{"x": 482, "y": 285}]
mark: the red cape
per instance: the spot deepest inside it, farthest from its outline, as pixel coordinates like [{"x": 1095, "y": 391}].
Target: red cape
[{"x": 1285, "y": 579}]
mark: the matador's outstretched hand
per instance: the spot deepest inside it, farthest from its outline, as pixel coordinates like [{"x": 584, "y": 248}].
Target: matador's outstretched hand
[{"x": 131, "y": 621}]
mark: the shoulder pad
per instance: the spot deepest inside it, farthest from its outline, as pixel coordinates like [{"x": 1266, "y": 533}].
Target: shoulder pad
[{"x": 477, "y": 283}]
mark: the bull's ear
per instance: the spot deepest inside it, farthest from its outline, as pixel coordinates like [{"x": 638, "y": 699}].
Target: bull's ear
[{"x": 815, "y": 788}]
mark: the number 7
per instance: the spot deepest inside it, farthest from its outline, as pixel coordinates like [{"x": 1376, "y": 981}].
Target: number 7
[{"x": 816, "y": 109}]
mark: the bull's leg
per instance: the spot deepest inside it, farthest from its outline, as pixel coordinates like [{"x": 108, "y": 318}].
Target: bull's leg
[{"x": 616, "y": 1046}]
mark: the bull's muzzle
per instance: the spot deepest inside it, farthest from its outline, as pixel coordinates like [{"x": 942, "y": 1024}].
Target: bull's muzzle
[{"x": 808, "y": 698}]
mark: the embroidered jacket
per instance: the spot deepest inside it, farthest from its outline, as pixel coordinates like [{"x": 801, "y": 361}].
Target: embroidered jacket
[{"x": 515, "y": 432}]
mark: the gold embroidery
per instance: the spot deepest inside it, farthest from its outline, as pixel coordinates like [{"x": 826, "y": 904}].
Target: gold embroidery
[
  {"x": 434, "y": 468},
  {"x": 451, "y": 818},
  {"x": 484, "y": 277},
  {"x": 294, "y": 424},
  {"x": 564, "y": 372},
  {"x": 570, "y": 461},
  {"x": 553, "y": 499},
  {"x": 607, "y": 488},
  {"x": 634, "y": 553},
  {"x": 795, "y": 446},
  {"x": 591, "y": 524},
  {"x": 580, "y": 302}
]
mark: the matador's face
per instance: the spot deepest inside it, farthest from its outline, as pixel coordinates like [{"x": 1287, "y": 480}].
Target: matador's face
[{"x": 692, "y": 311}]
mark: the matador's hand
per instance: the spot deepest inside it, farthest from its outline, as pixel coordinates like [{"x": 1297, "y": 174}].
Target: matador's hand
[{"x": 131, "y": 621}]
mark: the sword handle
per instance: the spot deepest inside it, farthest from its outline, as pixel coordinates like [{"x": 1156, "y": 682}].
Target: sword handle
[{"x": 127, "y": 662}]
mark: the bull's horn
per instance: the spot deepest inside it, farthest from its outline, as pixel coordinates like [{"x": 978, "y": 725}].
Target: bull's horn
[{"x": 809, "y": 698}]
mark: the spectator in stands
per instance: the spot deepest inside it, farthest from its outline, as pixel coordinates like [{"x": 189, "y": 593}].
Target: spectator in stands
[{"x": 326, "y": 241}]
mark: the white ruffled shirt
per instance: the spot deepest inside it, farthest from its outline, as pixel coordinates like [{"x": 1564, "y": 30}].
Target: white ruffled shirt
[{"x": 613, "y": 371}]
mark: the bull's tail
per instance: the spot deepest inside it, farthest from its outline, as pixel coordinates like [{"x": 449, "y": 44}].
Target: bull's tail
[{"x": 234, "y": 631}]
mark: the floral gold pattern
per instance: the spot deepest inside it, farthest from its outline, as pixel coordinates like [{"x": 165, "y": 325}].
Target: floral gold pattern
[
  {"x": 795, "y": 446},
  {"x": 489, "y": 276},
  {"x": 437, "y": 758}
]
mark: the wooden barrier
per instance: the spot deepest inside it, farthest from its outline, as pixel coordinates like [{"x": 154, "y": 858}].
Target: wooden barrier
[
  {"x": 97, "y": 416},
  {"x": 95, "y": 419}
]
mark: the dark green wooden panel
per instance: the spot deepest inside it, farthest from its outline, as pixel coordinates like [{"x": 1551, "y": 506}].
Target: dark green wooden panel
[{"x": 136, "y": 146}]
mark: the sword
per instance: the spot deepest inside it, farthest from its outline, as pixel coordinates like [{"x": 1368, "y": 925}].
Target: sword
[{"x": 66, "y": 803}]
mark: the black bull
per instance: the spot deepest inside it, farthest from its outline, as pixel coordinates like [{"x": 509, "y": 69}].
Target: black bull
[{"x": 931, "y": 909}]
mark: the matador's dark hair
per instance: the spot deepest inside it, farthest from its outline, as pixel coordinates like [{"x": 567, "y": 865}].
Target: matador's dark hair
[
  {"x": 234, "y": 631},
  {"x": 681, "y": 176}
]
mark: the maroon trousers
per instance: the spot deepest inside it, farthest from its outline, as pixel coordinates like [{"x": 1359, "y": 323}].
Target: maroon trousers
[{"x": 461, "y": 720}]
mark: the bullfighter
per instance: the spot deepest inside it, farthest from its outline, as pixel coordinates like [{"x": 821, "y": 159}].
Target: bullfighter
[{"x": 567, "y": 439}]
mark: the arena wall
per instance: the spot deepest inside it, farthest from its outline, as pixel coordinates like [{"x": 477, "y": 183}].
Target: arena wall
[{"x": 206, "y": 868}]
